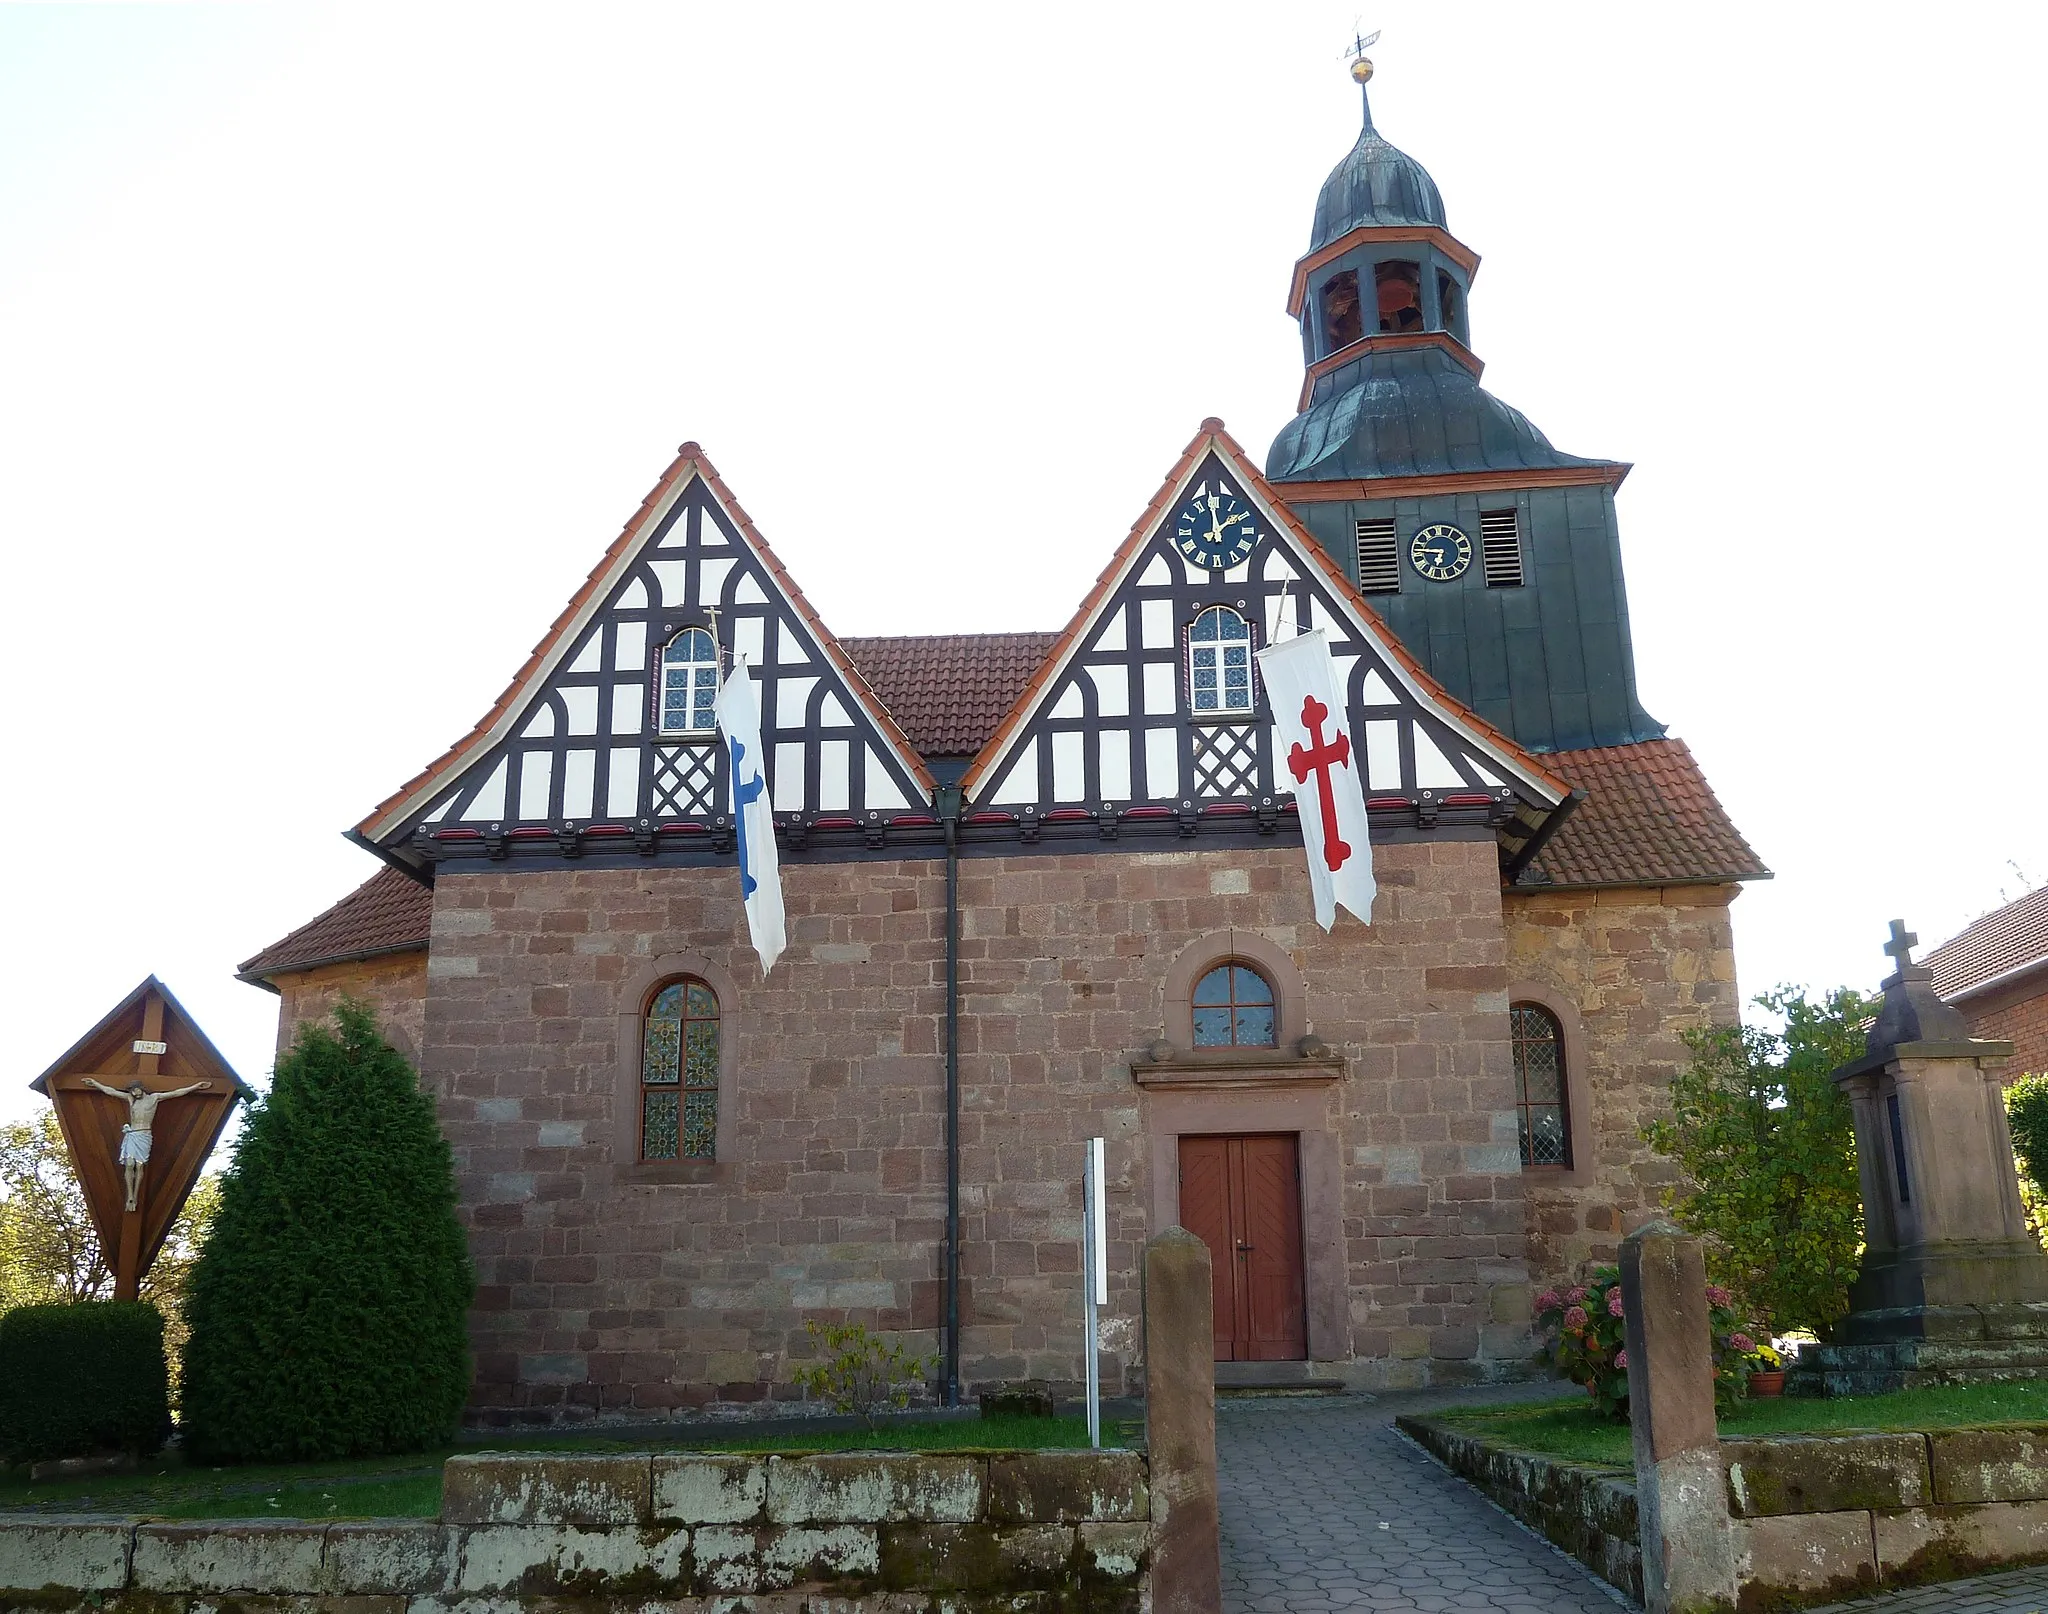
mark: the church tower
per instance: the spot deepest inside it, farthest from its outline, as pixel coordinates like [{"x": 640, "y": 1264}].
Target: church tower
[{"x": 1492, "y": 555}]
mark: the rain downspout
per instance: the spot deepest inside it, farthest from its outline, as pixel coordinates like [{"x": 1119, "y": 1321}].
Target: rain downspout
[{"x": 947, "y": 800}]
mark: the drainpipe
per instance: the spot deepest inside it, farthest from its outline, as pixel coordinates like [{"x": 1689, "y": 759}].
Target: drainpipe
[{"x": 947, "y": 800}]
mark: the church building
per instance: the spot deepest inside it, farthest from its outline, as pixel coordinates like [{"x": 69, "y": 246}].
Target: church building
[{"x": 1044, "y": 887}]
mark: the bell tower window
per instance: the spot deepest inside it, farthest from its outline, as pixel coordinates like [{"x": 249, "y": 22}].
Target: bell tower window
[
  {"x": 1343, "y": 323},
  {"x": 1450, "y": 302},
  {"x": 1400, "y": 295},
  {"x": 689, "y": 683}
]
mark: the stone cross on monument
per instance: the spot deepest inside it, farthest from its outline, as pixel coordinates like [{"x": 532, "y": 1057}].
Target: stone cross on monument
[{"x": 1952, "y": 1288}]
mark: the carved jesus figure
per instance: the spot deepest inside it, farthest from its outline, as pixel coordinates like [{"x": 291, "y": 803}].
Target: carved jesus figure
[{"x": 135, "y": 1136}]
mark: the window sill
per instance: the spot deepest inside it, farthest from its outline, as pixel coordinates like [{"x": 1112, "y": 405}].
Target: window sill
[
  {"x": 1236, "y": 1069},
  {"x": 1224, "y": 719},
  {"x": 688, "y": 736},
  {"x": 671, "y": 1171}
]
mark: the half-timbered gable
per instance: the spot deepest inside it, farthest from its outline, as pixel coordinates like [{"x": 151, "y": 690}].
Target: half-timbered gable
[
  {"x": 1150, "y": 705},
  {"x": 606, "y": 744}
]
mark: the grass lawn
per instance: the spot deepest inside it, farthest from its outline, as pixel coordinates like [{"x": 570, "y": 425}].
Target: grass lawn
[
  {"x": 1569, "y": 1428},
  {"x": 410, "y": 1486}
]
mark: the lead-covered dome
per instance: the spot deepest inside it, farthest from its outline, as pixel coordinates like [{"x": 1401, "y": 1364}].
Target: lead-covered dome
[{"x": 1375, "y": 184}]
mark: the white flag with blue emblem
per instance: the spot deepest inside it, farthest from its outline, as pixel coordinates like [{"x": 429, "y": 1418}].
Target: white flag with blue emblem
[{"x": 753, "y": 815}]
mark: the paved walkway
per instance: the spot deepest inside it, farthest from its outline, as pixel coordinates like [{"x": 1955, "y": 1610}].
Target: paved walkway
[{"x": 1325, "y": 1508}]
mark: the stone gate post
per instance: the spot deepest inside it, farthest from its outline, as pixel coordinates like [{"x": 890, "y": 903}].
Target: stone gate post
[
  {"x": 1689, "y": 1560},
  {"x": 1180, "y": 1425}
]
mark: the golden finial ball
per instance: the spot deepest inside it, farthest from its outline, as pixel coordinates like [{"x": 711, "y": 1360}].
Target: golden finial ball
[{"x": 1361, "y": 70}]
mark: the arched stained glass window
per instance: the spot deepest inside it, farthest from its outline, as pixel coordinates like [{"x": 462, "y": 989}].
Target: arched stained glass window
[
  {"x": 679, "y": 1073},
  {"x": 1220, "y": 662},
  {"x": 689, "y": 683},
  {"x": 1234, "y": 1008},
  {"x": 1539, "y": 1088}
]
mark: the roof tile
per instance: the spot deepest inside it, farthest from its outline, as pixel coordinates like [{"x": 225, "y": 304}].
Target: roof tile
[
  {"x": 949, "y": 691},
  {"x": 1649, "y": 818},
  {"x": 387, "y": 913},
  {"x": 2001, "y": 943}
]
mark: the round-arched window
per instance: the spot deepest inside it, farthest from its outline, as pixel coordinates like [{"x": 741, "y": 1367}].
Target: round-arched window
[
  {"x": 679, "y": 1073},
  {"x": 1234, "y": 1008},
  {"x": 1220, "y": 661},
  {"x": 689, "y": 683}
]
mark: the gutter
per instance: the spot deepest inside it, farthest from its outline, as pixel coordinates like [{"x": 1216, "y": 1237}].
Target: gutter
[{"x": 946, "y": 800}]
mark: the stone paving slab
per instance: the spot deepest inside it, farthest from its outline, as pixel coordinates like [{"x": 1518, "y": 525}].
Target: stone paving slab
[
  {"x": 2017, "y": 1591},
  {"x": 1325, "y": 1508}
]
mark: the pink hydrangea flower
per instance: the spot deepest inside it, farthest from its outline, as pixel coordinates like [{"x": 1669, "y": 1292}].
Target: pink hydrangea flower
[
  {"x": 1614, "y": 1301},
  {"x": 1575, "y": 1319},
  {"x": 1621, "y": 1358},
  {"x": 1549, "y": 1300},
  {"x": 1717, "y": 1296},
  {"x": 1576, "y": 1294},
  {"x": 1741, "y": 1342}
]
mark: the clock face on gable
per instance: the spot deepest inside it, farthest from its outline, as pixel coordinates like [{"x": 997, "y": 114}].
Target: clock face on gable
[
  {"x": 1215, "y": 528},
  {"x": 1441, "y": 552}
]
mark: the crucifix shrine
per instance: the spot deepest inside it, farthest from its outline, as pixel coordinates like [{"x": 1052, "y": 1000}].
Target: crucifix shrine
[{"x": 141, "y": 1099}]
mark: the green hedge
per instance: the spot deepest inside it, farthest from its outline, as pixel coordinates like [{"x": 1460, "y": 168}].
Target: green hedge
[{"x": 82, "y": 1378}]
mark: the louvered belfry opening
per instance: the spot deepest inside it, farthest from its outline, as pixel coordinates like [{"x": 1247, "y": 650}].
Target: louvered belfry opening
[
  {"x": 1379, "y": 558},
  {"x": 1500, "y": 541}
]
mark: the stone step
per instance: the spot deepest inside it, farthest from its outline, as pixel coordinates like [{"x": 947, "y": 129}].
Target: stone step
[{"x": 1276, "y": 1378}]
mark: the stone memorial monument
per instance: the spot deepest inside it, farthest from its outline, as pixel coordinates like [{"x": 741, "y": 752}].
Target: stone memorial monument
[{"x": 1953, "y": 1289}]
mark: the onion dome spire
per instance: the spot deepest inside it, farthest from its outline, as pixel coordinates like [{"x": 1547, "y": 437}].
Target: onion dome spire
[{"x": 1376, "y": 183}]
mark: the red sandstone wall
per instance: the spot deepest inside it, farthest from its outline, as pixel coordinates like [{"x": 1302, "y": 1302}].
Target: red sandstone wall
[
  {"x": 598, "y": 1292},
  {"x": 394, "y": 985},
  {"x": 1638, "y": 967},
  {"x": 2018, "y": 1015}
]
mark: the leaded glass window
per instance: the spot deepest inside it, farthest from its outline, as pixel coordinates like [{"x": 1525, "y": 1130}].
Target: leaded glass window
[
  {"x": 689, "y": 683},
  {"x": 1539, "y": 1088},
  {"x": 679, "y": 1073},
  {"x": 1234, "y": 1009},
  {"x": 1220, "y": 662}
]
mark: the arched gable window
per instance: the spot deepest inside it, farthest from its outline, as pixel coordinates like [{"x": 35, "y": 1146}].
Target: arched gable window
[
  {"x": 1540, "y": 1088},
  {"x": 689, "y": 683},
  {"x": 679, "y": 1073},
  {"x": 1220, "y": 662},
  {"x": 1234, "y": 1008}
]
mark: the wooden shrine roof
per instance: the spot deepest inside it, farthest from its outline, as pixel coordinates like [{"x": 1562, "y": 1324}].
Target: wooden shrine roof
[{"x": 2002, "y": 944}]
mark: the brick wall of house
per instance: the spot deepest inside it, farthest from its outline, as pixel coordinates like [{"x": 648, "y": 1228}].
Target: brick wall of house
[
  {"x": 2017, "y": 1014},
  {"x": 395, "y": 985},
  {"x": 1639, "y": 967},
  {"x": 601, "y": 1293}
]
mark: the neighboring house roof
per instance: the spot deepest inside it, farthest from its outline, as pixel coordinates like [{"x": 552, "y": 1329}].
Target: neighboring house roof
[
  {"x": 2006, "y": 942},
  {"x": 387, "y": 913},
  {"x": 1649, "y": 818},
  {"x": 949, "y": 691}
]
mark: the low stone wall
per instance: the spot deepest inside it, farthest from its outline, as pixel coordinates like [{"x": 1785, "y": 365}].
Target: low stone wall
[
  {"x": 1588, "y": 1509},
  {"x": 890, "y": 1533},
  {"x": 1816, "y": 1518}
]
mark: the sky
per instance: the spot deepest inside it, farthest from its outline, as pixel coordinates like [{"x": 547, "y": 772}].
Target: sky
[{"x": 336, "y": 343}]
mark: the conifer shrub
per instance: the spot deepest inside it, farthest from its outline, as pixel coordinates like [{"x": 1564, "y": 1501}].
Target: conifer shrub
[
  {"x": 327, "y": 1309},
  {"x": 80, "y": 1378}
]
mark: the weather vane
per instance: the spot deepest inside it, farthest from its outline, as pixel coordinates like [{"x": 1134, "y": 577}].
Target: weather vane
[{"x": 1361, "y": 64}]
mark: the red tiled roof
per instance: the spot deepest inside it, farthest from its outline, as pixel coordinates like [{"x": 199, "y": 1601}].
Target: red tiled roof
[
  {"x": 949, "y": 691},
  {"x": 387, "y": 913},
  {"x": 1649, "y": 818},
  {"x": 2002, "y": 943}
]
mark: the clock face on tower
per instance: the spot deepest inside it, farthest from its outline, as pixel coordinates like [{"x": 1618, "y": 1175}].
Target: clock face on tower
[
  {"x": 1441, "y": 552},
  {"x": 1215, "y": 528}
]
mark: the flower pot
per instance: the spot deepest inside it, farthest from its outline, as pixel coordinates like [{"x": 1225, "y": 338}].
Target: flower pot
[{"x": 1767, "y": 1384}]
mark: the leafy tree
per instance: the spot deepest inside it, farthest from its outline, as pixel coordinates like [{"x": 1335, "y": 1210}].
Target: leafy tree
[
  {"x": 1769, "y": 1148},
  {"x": 328, "y": 1309},
  {"x": 2026, "y": 1112},
  {"x": 49, "y": 1249}
]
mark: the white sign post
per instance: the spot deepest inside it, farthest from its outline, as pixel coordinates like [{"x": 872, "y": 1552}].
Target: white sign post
[{"x": 1094, "y": 1276}]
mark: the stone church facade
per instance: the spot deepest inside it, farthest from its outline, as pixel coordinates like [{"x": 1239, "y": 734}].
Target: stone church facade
[{"x": 1048, "y": 887}]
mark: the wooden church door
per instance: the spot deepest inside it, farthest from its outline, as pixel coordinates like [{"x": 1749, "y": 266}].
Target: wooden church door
[{"x": 1242, "y": 1197}]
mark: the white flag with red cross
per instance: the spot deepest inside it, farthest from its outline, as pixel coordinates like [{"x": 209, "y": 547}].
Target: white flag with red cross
[{"x": 1313, "y": 751}]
